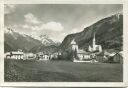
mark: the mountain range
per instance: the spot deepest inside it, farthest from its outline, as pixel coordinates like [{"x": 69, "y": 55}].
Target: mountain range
[
  {"x": 14, "y": 40},
  {"x": 108, "y": 32}
]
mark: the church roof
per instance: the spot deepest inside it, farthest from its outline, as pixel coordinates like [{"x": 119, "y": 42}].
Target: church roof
[{"x": 73, "y": 41}]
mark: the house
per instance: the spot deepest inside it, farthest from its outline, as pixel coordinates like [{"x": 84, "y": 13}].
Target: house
[
  {"x": 118, "y": 58},
  {"x": 83, "y": 55},
  {"x": 114, "y": 56},
  {"x": 29, "y": 56},
  {"x": 39, "y": 55},
  {"x": 54, "y": 55},
  {"x": 94, "y": 47},
  {"x": 46, "y": 57},
  {"x": 15, "y": 54},
  {"x": 43, "y": 56},
  {"x": 7, "y": 55}
]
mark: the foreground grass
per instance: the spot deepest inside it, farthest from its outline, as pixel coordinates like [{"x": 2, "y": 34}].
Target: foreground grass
[{"x": 61, "y": 71}]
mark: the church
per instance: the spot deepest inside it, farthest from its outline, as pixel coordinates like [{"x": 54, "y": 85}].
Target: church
[
  {"x": 82, "y": 55},
  {"x": 94, "y": 47},
  {"x": 78, "y": 55}
]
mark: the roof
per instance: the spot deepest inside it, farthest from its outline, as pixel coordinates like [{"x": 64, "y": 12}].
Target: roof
[
  {"x": 121, "y": 52},
  {"x": 40, "y": 53},
  {"x": 7, "y": 53},
  {"x": 82, "y": 52},
  {"x": 16, "y": 53},
  {"x": 111, "y": 51},
  {"x": 73, "y": 42}
]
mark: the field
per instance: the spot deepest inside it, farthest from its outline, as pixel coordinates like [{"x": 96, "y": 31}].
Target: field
[{"x": 61, "y": 71}]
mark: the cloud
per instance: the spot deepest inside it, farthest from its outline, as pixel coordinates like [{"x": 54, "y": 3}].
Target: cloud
[
  {"x": 35, "y": 28},
  {"x": 75, "y": 30},
  {"x": 52, "y": 26},
  {"x": 30, "y": 18},
  {"x": 9, "y": 8},
  {"x": 35, "y": 24},
  {"x": 26, "y": 26}
]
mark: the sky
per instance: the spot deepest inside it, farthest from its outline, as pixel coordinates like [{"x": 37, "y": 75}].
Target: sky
[{"x": 55, "y": 20}]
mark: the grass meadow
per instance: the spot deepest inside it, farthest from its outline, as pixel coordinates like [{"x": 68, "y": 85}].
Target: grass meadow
[{"x": 61, "y": 71}]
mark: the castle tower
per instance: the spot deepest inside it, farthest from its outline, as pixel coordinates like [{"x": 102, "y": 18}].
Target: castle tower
[{"x": 74, "y": 46}]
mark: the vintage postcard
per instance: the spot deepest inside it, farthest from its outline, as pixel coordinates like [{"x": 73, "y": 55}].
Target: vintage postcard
[
  {"x": 63, "y": 43},
  {"x": 64, "y": 87}
]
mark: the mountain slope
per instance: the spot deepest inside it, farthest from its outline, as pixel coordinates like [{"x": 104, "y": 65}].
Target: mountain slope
[
  {"x": 13, "y": 41},
  {"x": 47, "y": 49},
  {"x": 108, "y": 32}
]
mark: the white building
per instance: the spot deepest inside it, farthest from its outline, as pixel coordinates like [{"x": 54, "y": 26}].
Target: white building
[
  {"x": 83, "y": 55},
  {"x": 74, "y": 46},
  {"x": 29, "y": 56},
  {"x": 43, "y": 56},
  {"x": 46, "y": 57},
  {"x": 78, "y": 54},
  {"x": 14, "y": 55},
  {"x": 94, "y": 47}
]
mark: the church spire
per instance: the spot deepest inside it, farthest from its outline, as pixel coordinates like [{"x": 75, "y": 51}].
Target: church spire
[
  {"x": 94, "y": 42},
  {"x": 94, "y": 39}
]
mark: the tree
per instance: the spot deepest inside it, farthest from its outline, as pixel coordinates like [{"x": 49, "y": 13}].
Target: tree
[{"x": 75, "y": 54}]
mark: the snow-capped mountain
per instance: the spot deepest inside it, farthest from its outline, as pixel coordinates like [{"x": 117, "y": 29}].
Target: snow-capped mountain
[
  {"x": 46, "y": 40},
  {"x": 14, "y": 40}
]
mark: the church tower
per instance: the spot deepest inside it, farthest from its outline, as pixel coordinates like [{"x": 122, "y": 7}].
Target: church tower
[
  {"x": 74, "y": 46},
  {"x": 94, "y": 40},
  {"x": 94, "y": 43},
  {"x": 94, "y": 47}
]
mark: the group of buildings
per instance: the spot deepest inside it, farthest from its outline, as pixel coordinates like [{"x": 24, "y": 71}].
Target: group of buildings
[
  {"x": 80, "y": 55},
  {"x": 93, "y": 53},
  {"x": 19, "y": 54}
]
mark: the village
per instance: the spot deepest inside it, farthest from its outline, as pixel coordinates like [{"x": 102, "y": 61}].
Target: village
[
  {"x": 94, "y": 54},
  {"x": 63, "y": 43}
]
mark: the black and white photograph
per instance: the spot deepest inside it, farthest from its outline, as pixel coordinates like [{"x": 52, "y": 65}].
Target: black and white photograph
[
  {"x": 63, "y": 43},
  {"x": 63, "y": 87}
]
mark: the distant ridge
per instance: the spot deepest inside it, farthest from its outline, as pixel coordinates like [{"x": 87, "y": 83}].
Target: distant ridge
[
  {"x": 109, "y": 32},
  {"x": 14, "y": 40}
]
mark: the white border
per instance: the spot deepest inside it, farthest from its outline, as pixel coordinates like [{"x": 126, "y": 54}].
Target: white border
[
  {"x": 66, "y": 84},
  {"x": 63, "y": 1},
  {"x": 1, "y": 43},
  {"x": 125, "y": 41}
]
